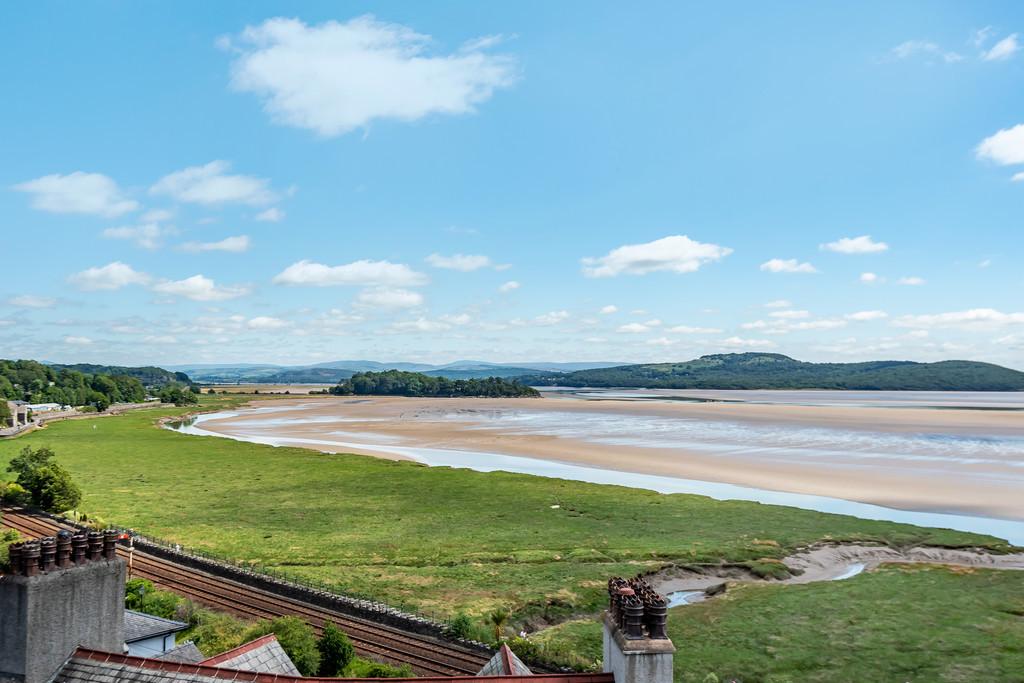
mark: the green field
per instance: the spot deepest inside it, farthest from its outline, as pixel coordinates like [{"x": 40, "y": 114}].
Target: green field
[
  {"x": 437, "y": 540},
  {"x": 898, "y": 623}
]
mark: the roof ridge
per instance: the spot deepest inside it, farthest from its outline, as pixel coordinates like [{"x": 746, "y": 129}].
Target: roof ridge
[{"x": 240, "y": 649}]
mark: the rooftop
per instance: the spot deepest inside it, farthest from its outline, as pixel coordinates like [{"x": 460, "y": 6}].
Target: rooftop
[
  {"x": 140, "y": 626},
  {"x": 92, "y": 666}
]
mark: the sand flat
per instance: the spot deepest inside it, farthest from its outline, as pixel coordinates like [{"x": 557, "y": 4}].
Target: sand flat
[{"x": 950, "y": 460}]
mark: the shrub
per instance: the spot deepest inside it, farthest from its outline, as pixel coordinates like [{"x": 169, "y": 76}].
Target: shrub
[
  {"x": 336, "y": 651},
  {"x": 296, "y": 638},
  {"x": 49, "y": 485},
  {"x": 13, "y": 493},
  {"x": 461, "y": 626},
  {"x": 361, "y": 668}
]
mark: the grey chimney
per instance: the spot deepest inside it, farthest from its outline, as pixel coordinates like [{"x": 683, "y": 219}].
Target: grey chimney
[
  {"x": 637, "y": 648},
  {"x": 60, "y": 593}
]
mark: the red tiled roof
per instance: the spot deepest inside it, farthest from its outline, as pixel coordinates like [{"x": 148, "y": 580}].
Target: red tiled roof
[
  {"x": 240, "y": 650},
  {"x": 206, "y": 671}
]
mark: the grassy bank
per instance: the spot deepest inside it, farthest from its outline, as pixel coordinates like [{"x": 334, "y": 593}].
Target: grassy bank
[
  {"x": 899, "y": 623},
  {"x": 436, "y": 539}
]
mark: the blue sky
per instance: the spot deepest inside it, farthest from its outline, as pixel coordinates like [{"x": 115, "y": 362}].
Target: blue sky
[{"x": 302, "y": 182}]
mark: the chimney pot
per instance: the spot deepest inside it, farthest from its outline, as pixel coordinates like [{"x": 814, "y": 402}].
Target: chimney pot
[
  {"x": 79, "y": 545},
  {"x": 30, "y": 558},
  {"x": 110, "y": 544},
  {"x": 14, "y": 554},
  {"x": 64, "y": 549},
  {"x": 48, "y": 553},
  {"x": 95, "y": 545}
]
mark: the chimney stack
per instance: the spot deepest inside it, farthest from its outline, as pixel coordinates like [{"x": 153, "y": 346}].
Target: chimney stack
[
  {"x": 637, "y": 648},
  {"x": 61, "y": 593}
]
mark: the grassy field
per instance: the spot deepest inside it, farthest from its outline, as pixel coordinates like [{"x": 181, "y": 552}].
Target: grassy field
[
  {"x": 438, "y": 540},
  {"x": 898, "y": 623}
]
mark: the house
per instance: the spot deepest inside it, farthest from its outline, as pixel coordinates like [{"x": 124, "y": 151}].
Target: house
[
  {"x": 62, "y": 620},
  {"x": 19, "y": 414},
  {"x": 45, "y": 407},
  {"x": 146, "y": 635}
]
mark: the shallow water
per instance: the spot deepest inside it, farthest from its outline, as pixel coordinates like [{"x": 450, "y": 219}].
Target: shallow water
[{"x": 482, "y": 461}]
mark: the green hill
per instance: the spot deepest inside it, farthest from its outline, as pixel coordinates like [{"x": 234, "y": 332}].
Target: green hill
[
  {"x": 775, "y": 371},
  {"x": 149, "y": 376}
]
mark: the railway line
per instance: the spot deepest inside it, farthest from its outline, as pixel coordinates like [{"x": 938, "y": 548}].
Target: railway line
[{"x": 427, "y": 656}]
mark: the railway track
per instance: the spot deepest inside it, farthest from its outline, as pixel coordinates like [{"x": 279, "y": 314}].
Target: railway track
[{"x": 427, "y": 656}]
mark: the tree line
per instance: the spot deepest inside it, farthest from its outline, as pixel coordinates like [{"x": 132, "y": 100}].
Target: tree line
[
  {"x": 27, "y": 380},
  {"x": 400, "y": 383}
]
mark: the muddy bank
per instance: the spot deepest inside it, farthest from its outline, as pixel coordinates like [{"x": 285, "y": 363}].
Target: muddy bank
[{"x": 821, "y": 563}]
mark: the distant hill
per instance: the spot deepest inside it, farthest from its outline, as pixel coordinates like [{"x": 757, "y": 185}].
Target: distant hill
[
  {"x": 149, "y": 376},
  {"x": 335, "y": 371},
  {"x": 775, "y": 371}
]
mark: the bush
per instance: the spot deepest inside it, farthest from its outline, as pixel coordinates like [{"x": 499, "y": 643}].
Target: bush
[
  {"x": 49, "y": 485},
  {"x": 12, "y": 493},
  {"x": 214, "y": 632},
  {"x": 296, "y": 638},
  {"x": 7, "y": 537},
  {"x": 362, "y": 668},
  {"x": 461, "y": 626},
  {"x": 336, "y": 651}
]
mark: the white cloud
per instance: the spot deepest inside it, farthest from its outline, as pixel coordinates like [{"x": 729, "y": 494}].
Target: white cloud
[
  {"x": 210, "y": 184},
  {"x": 779, "y": 303},
  {"x": 739, "y": 342},
  {"x": 235, "y": 245},
  {"x": 200, "y": 288},
  {"x": 421, "y": 325},
  {"x": 855, "y": 245},
  {"x": 869, "y": 278},
  {"x": 364, "y": 272},
  {"x": 662, "y": 341},
  {"x": 866, "y": 315},
  {"x": 263, "y": 322},
  {"x": 1018, "y": 177},
  {"x": 912, "y": 280},
  {"x": 790, "y": 314},
  {"x": 78, "y": 192},
  {"x": 389, "y": 297},
  {"x": 686, "y": 329},
  {"x": 509, "y": 286},
  {"x": 1004, "y": 49},
  {"x": 464, "y": 262},
  {"x": 912, "y": 48},
  {"x": 778, "y": 265},
  {"x": 552, "y": 318},
  {"x": 1004, "y": 147},
  {"x": 147, "y": 236},
  {"x": 981, "y": 36},
  {"x": 160, "y": 339},
  {"x": 32, "y": 301},
  {"x": 676, "y": 253},
  {"x": 77, "y": 341},
  {"x": 634, "y": 328},
  {"x": 111, "y": 276},
  {"x": 609, "y": 309},
  {"x": 334, "y": 77},
  {"x": 271, "y": 215},
  {"x": 157, "y": 216},
  {"x": 987, "y": 262},
  {"x": 785, "y": 326},
  {"x": 975, "y": 318}
]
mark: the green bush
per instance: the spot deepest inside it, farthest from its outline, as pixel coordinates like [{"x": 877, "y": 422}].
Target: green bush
[
  {"x": 461, "y": 626},
  {"x": 336, "y": 651},
  {"x": 12, "y": 493},
  {"x": 362, "y": 668},
  {"x": 296, "y": 638},
  {"x": 49, "y": 485}
]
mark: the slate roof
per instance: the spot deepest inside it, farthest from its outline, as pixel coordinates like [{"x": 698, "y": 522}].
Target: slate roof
[
  {"x": 186, "y": 653},
  {"x": 93, "y": 666},
  {"x": 504, "y": 663},
  {"x": 140, "y": 626},
  {"x": 264, "y": 655}
]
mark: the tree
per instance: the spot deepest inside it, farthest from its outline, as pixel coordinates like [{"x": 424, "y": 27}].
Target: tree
[
  {"x": 499, "y": 618},
  {"x": 49, "y": 485},
  {"x": 296, "y": 638},
  {"x": 336, "y": 651},
  {"x": 5, "y": 411},
  {"x": 57, "y": 492}
]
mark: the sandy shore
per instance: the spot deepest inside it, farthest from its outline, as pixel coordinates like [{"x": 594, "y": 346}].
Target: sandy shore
[{"x": 943, "y": 481}]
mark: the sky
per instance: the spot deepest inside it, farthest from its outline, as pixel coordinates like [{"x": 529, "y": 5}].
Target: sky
[{"x": 292, "y": 183}]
